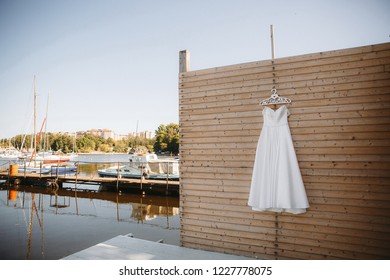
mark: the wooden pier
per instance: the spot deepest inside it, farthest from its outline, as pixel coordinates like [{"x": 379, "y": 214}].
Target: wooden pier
[{"x": 166, "y": 187}]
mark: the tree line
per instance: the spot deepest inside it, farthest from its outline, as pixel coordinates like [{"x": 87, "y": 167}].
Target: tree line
[{"x": 166, "y": 140}]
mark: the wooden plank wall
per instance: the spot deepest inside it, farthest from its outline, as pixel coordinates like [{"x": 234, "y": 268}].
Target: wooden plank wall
[{"x": 340, "y": 124}]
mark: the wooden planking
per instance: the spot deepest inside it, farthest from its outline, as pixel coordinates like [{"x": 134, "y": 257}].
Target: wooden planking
[
  {"x": 219, "y": 106},
  {"x": 340, "y": 124},
  {"x": 311, "y": 59},
  {"x": 302, "y": 85},
  {"x": 296, "y": 63},
  {"x": 242, "y": 228},
  {"x": 337, "y": 77}
]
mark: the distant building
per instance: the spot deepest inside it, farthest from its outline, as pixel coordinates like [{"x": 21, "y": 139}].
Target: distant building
[
  {"x": 107, "y": 133},
  {"x": 120, "y": 137},
  {"x": 144, "y": 134}
]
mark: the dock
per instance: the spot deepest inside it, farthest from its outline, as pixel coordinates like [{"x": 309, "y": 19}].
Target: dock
[
  {"x": 141, "y": 185},
  {"x": 125, "y": 247}
]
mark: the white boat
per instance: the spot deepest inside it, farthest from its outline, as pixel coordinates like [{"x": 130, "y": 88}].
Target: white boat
[
  {"x": 10, "y": 154},
  {"x": 53, "y": 169},
  {"x": 125, "y": 171},
  {"x": 50, "y": 158},
  {"x": 163, "y": 169},
  {"x": 60, "y": 169},
  {"x": 32, "y": 169},
  {"x": 146, "y": 166},
  {"x": 142, "y": 158}
]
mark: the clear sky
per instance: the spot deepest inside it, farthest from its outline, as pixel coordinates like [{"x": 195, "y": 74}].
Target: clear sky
[{"x": 108, "y": 64}]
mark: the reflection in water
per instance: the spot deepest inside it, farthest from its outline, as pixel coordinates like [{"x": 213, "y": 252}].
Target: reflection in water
[
  {"x": 143, "y": 212},
  {"x": 32, "y": 215},
  {"x": 70, "y": 219},
  {"x": 12, "y": 195}
]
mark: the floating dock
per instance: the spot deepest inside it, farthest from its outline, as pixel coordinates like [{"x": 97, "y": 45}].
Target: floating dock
[
  {"x": 125, "y": 247},
  {"x": 144, "y": 186}
]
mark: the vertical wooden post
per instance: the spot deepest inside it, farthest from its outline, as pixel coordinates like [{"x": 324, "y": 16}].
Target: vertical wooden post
[
  {"x": 117, "y": 206},
  {"x": 117, "y": 179},
  {"x": 273, "y": 58},
  {"x": 77, "y": 172},
  {"x": 184, "y": 61},
  {"x": 167, "y": 190},
  {"x": 75, "y": 188},
  {"x": 272, "y": 42},
  {"x": 9, "y": 171},
  {"x": 35, "y": 123},
  {"x": 141, "y": 177}
]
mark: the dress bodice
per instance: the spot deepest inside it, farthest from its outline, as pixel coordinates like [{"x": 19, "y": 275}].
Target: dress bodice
[{"x": 275, "y": 117}]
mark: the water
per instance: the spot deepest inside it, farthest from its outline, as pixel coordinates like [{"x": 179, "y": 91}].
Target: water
[{"x": 38, "y": 223}]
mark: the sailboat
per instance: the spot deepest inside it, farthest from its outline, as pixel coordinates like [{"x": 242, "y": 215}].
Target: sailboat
[{"x": 44, "y": 162}]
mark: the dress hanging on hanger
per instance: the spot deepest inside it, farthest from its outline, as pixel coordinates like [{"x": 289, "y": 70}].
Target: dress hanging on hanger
[{"x": 277, "y": 183}]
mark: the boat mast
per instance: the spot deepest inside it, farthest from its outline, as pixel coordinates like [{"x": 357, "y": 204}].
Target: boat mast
[
  {"x": 46, "y": 139},
  {"x": 35, "y": 119}
]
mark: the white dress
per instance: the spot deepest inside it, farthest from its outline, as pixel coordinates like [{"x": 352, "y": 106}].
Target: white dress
[{"x": 276, "y": 180}]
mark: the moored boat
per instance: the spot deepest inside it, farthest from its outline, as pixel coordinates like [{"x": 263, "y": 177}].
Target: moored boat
[
  {"x": 163, "y": 169},
  {"x": 61, "y": 169},
  {"x": 50, "y": 157},
  {"x": 33, "y": 170},
  {"x": 125, "y": 171},
  {"x": 10, "y": 154},
  {"x": 58, "y": 168},
  {"x": 149, "y": 168}
]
